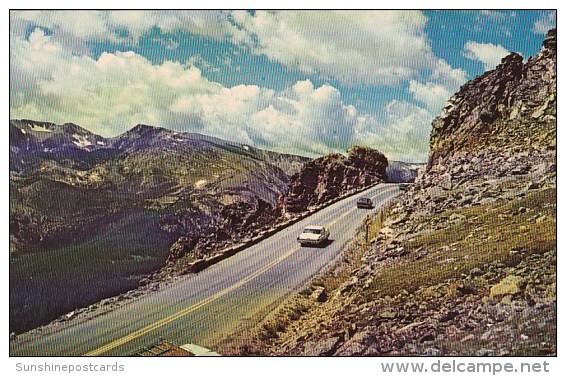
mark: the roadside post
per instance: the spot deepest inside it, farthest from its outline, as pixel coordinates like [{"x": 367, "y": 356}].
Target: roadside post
[{"x": 367, "y": 222}]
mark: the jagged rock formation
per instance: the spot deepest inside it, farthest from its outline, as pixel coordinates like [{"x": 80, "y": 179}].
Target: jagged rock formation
[
  {"x": 233, "y": 223},
  {"x": 498, "y": 126},
  {"x": 329, "y": 177},
  {"x": 512, "y": 107}
]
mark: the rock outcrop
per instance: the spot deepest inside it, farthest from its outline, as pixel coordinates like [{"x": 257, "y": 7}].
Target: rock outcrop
[
  {"x": 501, "y": 125},
  {"x": 331, "y": 176},
  {"x": 234, "y": 223},
  {"x": 512, "y": 107}
]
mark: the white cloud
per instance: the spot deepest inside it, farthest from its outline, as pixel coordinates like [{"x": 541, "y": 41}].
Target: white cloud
[
  {"x": 545, "y": 22},
  {"x": 432, "y": 95},
  {"x": 499, "y": 16},
  {"x": 354, "y": 48},
  {"x": 450, "y": 77},
  {"x": 360, "y": 48},
  {"x": 119, "y": 26},
  {"x": 110, "y": 94},
  {"x": 488, "y": 54},
  {"x": 302, "y": 118},
  {"x": 500, "y": 21},
  {"x": 442, "y": 83},
  {"x": 402, "y": 135}
]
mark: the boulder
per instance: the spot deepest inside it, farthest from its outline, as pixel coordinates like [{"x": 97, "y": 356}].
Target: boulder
[
  {"x": 510, "y": 285},
  {"x": 319, "y": 294}
]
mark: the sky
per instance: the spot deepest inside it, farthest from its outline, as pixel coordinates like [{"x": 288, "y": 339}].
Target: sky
[{"x": 302, "y": 82}]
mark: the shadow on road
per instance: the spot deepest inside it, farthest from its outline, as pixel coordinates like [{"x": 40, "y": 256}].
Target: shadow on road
[{"x": 324, "y": 244}]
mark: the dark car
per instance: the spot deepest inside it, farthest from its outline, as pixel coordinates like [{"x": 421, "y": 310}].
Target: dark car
[{"x": 364, "y": 203}]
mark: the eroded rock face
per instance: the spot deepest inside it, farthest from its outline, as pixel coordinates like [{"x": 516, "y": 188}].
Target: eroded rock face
[
  {"x": 510, "y": 107},
  {"x": 331, "y": 176}
]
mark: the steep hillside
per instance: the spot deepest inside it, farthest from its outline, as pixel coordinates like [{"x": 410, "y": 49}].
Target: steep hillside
[{"x": 465, "y": 262}]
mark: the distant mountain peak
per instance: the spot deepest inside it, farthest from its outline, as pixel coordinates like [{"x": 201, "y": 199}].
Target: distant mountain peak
[
  {"x": 47, "y": 127},
  {"x": 147, "y": 130}
]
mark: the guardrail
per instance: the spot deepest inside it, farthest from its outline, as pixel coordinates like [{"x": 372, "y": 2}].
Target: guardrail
[{"x": 199, "y": 265}]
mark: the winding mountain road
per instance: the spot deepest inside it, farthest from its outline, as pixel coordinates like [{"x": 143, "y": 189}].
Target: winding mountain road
[{"x": 204, "y": 308}]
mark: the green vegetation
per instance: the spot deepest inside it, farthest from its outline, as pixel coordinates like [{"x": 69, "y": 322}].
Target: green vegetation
[
  {"x": 45, "y": 285},
  {"x": 505, "y": 231}
]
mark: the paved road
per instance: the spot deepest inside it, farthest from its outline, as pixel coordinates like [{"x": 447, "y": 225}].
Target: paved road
[{"x": 203, "y": 308}]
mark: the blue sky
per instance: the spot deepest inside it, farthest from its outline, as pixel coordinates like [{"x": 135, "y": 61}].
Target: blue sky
[{"x": 300, "y": 82}]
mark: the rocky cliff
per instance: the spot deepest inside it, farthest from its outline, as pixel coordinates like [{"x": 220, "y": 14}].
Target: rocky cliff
[
  {"x": 331, "y": 176},
  {"x": 501, "y": 125},
  {"x": 512, "y": 107}
]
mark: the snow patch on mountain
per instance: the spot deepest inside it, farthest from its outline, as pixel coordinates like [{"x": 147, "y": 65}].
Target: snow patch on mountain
[
  {"x": 81, "y": 141},
  {"x": 39, "y": 128}
]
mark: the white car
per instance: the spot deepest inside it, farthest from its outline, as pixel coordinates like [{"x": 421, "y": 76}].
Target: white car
[{"x": 313, "y": 235}]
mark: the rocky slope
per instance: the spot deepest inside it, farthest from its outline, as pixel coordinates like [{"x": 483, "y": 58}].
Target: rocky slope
[
  {"x": 329, "y": 177},
  {"x": 465, "y": 262},
  {"x": 513, "y": 106}
]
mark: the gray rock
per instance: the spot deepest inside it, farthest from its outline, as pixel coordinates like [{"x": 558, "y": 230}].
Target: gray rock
[
  {"x": 350, "y": 348},
  {"x": 476, "y": 272},
  {"x": 322, "y": 347},
  {"x": 432, "y": 351},
  {"x": 387, "y": 313},
  {"x": 485, "y": 352}
]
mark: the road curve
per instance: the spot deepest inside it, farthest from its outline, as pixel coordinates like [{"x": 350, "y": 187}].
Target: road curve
[{"x": 204, "y": 308}]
